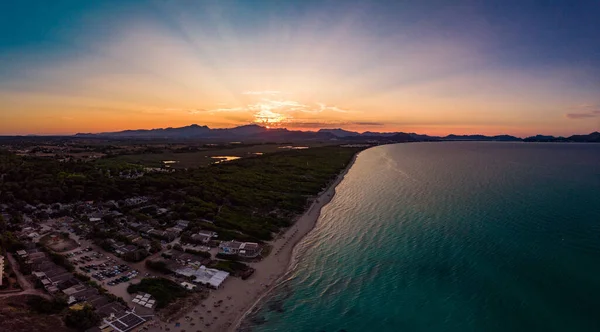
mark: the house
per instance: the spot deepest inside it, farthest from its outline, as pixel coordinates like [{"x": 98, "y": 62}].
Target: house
[
  {"x": 135, "y": 201},
  {"x": 125, "y": 249},
  {"x": 133, "y": 237},
  {"x": 242, "y": 249},
  {"x": 165, "y": 235},
  {"x": 183, "y": 224},
  {"x": 175, "y": 230},
  {"x": 203, "y": 237},
  {"x": 143, "y": 243}
]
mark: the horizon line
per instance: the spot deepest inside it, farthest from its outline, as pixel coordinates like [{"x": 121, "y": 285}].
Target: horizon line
[{"x": 270, "y": 128}]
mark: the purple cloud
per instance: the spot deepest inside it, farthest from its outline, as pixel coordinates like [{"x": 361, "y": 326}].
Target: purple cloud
[{"x": 585, "y": 112}]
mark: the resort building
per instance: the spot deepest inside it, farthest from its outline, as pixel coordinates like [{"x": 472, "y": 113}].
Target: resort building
[
  {"x": 205, "y": 276},
  {"x": 242, "y": 249},
  {"x": 122, "y": 323}
]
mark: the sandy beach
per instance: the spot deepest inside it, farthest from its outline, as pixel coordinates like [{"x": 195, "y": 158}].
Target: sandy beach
[{"x": 238, "y": 297}]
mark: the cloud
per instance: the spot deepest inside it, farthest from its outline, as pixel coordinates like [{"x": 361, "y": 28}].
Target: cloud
[
  {"x": 324, "y": 107},
  {"x": 194, "y": 111},
  {"x": 262, "y": 93},
  {"x": 583, "y": 115},
  {"x": 586, "y": 111},
  {"x": 269, "y": 117},
  {"x": 324, "y": 124},
  {"x": 277, "y": 111},
  {"x": 227, "y": 109}
]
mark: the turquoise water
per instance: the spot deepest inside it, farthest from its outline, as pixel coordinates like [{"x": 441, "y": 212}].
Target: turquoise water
[{"x": 452, "y": 237}]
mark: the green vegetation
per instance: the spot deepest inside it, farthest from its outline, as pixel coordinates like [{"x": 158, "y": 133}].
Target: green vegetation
[
  {"x": 232, "y": 267},
  {"x": 192, "y": 157},
  {"x": 158, "y": 266},
  {"x": 61, "y": 260},
  {"x": 203, "y": 254},
  {"x": 43, "y": 306},
  {"x": 163, "y": 290},
  {"x": 82, "y": 319},
  {"x": 9, "y": 242},
  {"x": 247, "y": 199}
]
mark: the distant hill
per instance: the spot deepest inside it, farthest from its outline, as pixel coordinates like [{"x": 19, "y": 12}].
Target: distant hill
[
  {"x": 589, "y": 138},
  {"x": 254, "y": 132},
  {"x": 403, "y": 137},
  {"x": 506, "y": 138},
  {"x": 593, "y": 137},
  {"x": 376, "y": 134},
  {"x": 338, "y": 132},
  {"x": 259, "y": 133}
]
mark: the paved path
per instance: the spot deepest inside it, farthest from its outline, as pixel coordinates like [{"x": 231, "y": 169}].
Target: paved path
[
  {"x": 28, "y": 288},
  {"x": 25, "y": 284}
]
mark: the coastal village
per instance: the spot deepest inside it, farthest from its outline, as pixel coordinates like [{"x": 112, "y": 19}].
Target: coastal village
[
  {"x": 183, "y": 250},
  {"x": 63, "y": 256},
  {"x": 89, "y": 254}
]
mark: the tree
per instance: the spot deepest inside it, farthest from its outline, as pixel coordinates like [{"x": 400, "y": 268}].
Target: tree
[
  {"x": 9, "y": 242},
  {"x": 82, "y": 319},
  {"x": 155, "y": 246}
]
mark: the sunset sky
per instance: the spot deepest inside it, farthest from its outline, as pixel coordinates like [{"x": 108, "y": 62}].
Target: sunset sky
[{"x": 433, "y": 67}]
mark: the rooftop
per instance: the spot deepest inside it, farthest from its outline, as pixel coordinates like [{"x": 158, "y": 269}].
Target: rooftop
[{"x": 204, "y": 275}]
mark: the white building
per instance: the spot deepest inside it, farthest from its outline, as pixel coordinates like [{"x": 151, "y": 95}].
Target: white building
[
  {"x": 1, "y": 268},
  {"x": 244, "y": 249},
  {"x": 205, "y": 276}
]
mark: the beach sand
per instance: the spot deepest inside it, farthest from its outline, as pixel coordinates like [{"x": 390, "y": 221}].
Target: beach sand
[{"x": 238, "y": 297}]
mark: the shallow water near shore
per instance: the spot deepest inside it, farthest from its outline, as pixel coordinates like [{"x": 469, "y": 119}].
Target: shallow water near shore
[{"x": 460, "y": 236}]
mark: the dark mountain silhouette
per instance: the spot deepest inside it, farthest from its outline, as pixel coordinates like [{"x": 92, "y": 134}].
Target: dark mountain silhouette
[
  {"x": 507, "y": 138},
  {"x": 259, "y": 133},
  {"x": 589, "y": 138},
  {"x": 376, "y": 134},
  {"x": 339, "y": 132},
  {"x": 253, "y": 131}
]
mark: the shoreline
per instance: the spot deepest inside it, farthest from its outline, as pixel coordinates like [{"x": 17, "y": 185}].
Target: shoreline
[
  {"x": 320, "y": 201},
  {"x": 238, "y": 297}
]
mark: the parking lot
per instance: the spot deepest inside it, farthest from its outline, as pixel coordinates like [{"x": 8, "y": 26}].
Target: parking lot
[{"x": 103, "y": 268}]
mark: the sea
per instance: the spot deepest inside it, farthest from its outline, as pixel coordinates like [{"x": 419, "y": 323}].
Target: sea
[{"x": 451, "y": 236}]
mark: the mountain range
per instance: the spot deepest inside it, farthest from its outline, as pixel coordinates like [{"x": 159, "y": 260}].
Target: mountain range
[{"x": 259, "y": 133}]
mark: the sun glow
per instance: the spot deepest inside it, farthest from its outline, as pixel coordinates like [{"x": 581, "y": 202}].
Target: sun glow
[{"x": 206, "y": 64}]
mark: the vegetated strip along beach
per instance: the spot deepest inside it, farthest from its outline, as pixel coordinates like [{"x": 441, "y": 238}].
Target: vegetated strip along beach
[{"x": 238, "y": 297}]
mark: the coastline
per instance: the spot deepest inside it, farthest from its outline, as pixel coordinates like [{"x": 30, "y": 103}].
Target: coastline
[{"x": 239, "y": 297}]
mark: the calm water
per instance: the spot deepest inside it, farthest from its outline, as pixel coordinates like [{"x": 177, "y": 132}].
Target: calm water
[{"x": 452, "y": 237}]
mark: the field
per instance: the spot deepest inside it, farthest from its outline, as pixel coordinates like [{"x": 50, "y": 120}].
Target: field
[
  {"x": 17, "y": 316},
  {"x": 58, "y": 243},
  {"x": 204, "y": 157}
]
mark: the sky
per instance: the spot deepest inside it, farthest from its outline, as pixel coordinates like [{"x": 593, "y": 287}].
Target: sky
[{"x": 433, "y": 67}]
